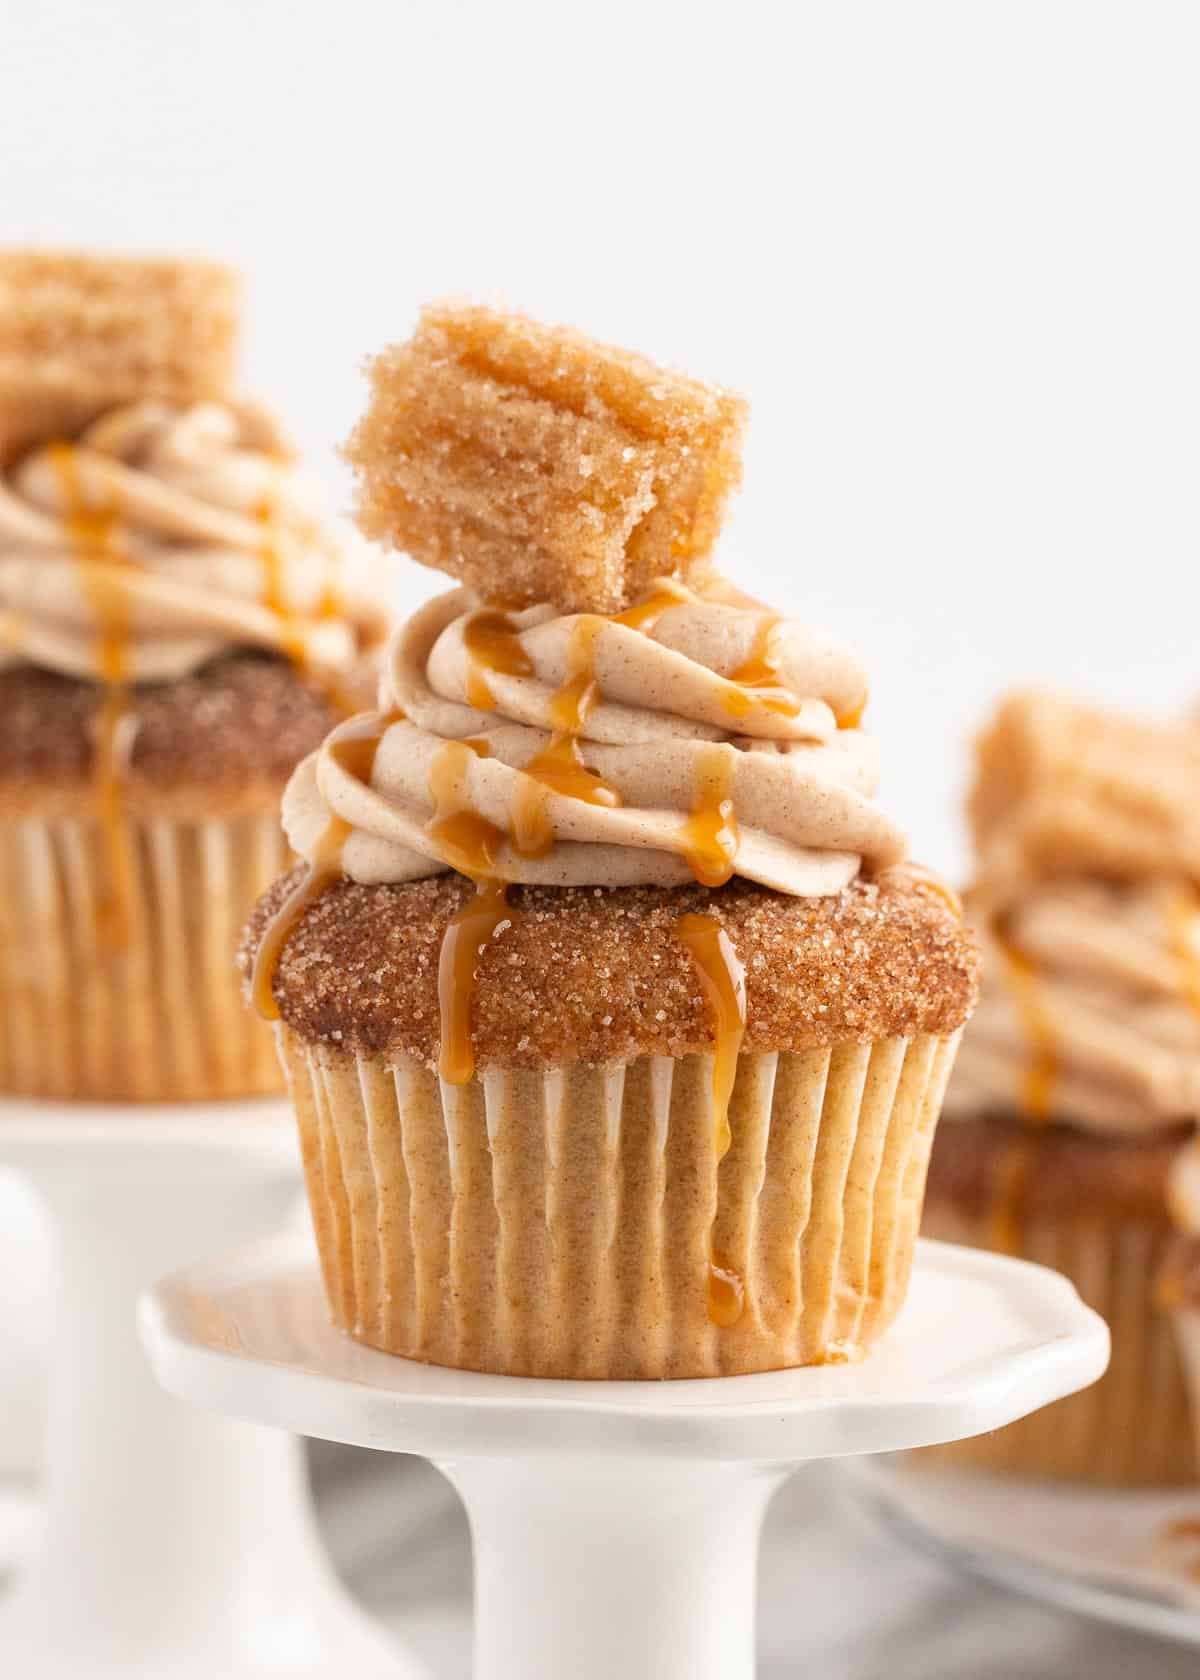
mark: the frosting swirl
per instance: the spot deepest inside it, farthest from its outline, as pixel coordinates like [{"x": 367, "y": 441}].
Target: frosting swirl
[
  {"x": 690, "y": 737},
  {"x": 1092, "y": 1009},
  {"x": 162, "y": 537}
]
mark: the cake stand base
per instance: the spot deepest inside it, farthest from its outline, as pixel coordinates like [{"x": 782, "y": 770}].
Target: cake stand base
[
  {"x": 616, "y": 1524},
  {"x": 174, "y": 1545}
]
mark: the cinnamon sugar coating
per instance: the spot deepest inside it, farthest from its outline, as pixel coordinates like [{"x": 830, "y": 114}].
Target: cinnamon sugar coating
[
  {"x": 225, "y": 738},
  {"x": 83, "y": 332},
  {"x": 1064, "y": 1170},
  {"x": 537, "y": 465},
  {"x": 599, "y": 975},
  {"x": 1063, "y": 788}
]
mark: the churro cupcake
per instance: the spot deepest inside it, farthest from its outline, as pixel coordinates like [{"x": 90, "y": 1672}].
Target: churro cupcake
[
  {"x": 616, "y": 1028},
  {"x": 1179, "y": 1284},
  {"x": 175, "y": 635},
  {"x": 1080, "y": 1075}
]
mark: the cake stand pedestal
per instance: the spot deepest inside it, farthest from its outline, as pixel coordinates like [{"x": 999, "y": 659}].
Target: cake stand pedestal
[
  {"x": 616, "y": 1524},
  {"x": 175, "y": 1545}
]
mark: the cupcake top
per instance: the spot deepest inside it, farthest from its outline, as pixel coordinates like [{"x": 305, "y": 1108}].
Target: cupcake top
[
  {"x": 1088, "y": 889},
  {"x": 155, "y": 530},
  {"x": 597, "y": 713},
  {"x": 150, "y": 519},
  {"x": 162, "y": 536}
]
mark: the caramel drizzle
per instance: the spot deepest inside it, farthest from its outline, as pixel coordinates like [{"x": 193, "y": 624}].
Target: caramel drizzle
[
  {"x": 292, "y": 641},
  {"x": 756, "y": 683},
  {"x": 493, "y": 643},
  {"x": 559, "y": 767},
  {"x": 709, "y": 838},
  {"x": 1037, "y": 1101},
  {"x": 470, "y": 844},
  {"x": 1184, "y": 914},
  {"x": 92, "y": 534},
  {"x": 1041, "y": 1074},
  {"x": 353, "y": 746},
  {"x": 722, "y": 977},
  {"x": 643, "y": 615},
  {"x": 1184, "y": 1531}
]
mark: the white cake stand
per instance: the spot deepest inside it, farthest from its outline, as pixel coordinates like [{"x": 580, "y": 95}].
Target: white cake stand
[
  {"x": 616, "y": 1524},
  {"x": 175, "y": 1545}
]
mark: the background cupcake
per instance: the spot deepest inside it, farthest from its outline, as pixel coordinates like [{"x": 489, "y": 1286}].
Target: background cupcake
[
  {"x": 1080, "y": 1075},
  {"x": 1179, "y": 1285},
  {"x": 176, "y": 632},
  {"x": 608, "y": 1057}
]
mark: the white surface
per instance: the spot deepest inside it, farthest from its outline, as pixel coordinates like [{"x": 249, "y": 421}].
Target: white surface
[
  {"x": 1104, "y": 1553},
  {"x": 947, "y": 249},
  {"x": 615, "y": 1525},
  {"x": 175, "y": 1545}
]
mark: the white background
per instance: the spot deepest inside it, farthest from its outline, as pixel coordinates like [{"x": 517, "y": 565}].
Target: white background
[{"x": 950, "y": 251}]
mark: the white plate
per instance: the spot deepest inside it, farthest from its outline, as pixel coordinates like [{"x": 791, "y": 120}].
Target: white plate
[{"x": 1103, "y": 1553}]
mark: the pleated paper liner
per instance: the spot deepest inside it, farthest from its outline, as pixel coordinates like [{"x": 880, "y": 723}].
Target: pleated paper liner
[
  {"x": 566, "y": 1223},
  {"x": 1132, "y": 1428},
  {"x": 117, "y": 976}
]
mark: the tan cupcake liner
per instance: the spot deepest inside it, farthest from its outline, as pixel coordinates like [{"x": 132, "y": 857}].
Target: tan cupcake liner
[
  {"x": 562, "y": 1223},
  {"x": 133, "y": 994},
  {"x": 1132, "y": 1427},
  {"x": 1187, "y": 1335}
]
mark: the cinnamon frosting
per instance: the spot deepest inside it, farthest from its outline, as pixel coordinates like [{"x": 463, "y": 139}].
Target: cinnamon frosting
[
  {"x": 1091, "y": 1009},
  {"x": 606, "y": 751},
  {"x": 200, "y": 535}
]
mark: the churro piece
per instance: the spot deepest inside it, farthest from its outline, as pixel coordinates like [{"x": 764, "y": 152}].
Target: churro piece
[
  {"x": 1063, "y": 788},
  {"x": 82, "y": 333},
  {"x": 537, "y": 465}
]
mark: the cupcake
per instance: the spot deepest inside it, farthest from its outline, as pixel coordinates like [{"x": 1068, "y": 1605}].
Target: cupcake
[
  {"x": 1080, "y": 1075},
  {"x": 1179, "y": 1285},
  {"x": 616, "y": 1027},
  {"x": 175, "y": 636}
]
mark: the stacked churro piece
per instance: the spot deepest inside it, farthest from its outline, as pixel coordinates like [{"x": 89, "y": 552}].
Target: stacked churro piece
[{"x": 536, "y": 465}]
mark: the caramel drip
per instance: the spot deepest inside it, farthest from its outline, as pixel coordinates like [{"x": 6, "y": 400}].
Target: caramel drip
[
  {"x": 291, "y": 629},
  {"x": 722, "y": 979},
  {"x": 1184, "y": 1531},
  {"x": 644, "y": 614},
  {"x": 325, "y": 868},
  {"x": 709, "y": 839},
  {"x": 353, "y": 746},
  {"x": 274, "y": 591},
  {"x": 1184, "y": 912},
  {"x": 1041, "y": 1075},
  {"x": 726, "y": 1295},
  {"x": 468, "y": 932},
  {"x": 469, "y": 844},
  {"x": 92, "y": 534},
  {"x": 1037, "y": 1102},
  {"x": 853, "y": 718},
  {"x": 559, "y": 767},
  {"x": 493, "y": 644},
  {"x": 756, "y": 683}
]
